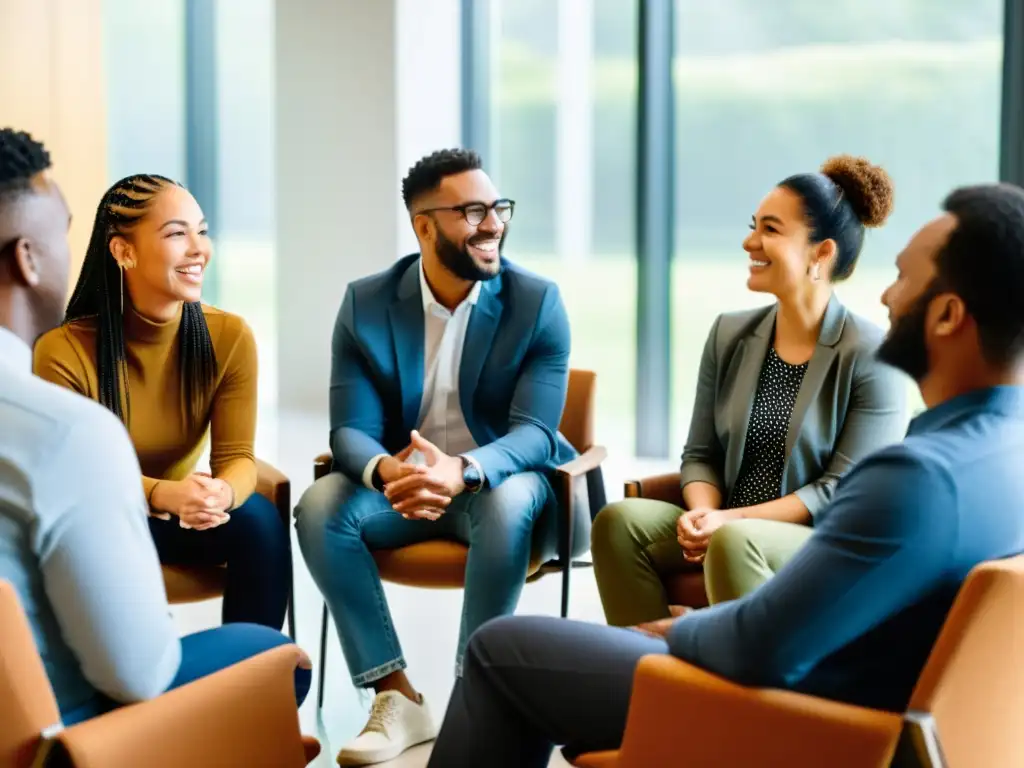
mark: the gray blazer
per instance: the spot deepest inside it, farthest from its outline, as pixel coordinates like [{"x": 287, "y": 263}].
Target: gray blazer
[{"x": 849, "y": 404}]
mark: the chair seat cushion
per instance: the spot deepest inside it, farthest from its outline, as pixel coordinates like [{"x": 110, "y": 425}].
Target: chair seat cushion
[
  {"x": 193, "y": 583},
  {"x": 437, "y": 564}
]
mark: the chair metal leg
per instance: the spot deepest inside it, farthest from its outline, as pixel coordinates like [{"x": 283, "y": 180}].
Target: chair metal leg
[
  {"x": 566, "y": 557},
  {"x": 291, "y": 614},
  {"x": 566, "y": 570},
  {"x": 323, "y": 660}
]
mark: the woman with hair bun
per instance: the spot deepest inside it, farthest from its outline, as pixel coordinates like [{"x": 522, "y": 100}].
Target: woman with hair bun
[{"x": 789, "y": 397}]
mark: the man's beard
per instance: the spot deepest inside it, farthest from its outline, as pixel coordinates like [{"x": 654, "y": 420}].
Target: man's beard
[
  {"x": 904, "y": 347},
  {"x": 456, "y": 258}
]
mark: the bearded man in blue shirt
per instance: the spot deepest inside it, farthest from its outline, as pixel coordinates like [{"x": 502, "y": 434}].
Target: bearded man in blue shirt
[{"x": 853, "y": 616}]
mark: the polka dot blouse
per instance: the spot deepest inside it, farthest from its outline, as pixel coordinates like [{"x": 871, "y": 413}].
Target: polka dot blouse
[{"x": 764, "y": 453}]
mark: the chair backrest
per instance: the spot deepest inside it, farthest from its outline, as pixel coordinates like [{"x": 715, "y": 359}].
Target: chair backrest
[
  {"x": 27, "y": 703},
  {"x": 578, "y": 417},
  {"x": 973, "y": 683}
]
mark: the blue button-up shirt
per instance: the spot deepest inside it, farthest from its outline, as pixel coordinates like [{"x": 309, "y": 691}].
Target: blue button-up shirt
[
  {"x": 75, "y": 543},
  {"x": 853, "y": 616}
]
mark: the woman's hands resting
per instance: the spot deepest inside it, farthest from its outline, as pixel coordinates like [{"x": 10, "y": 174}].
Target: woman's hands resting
[
  {"x": 201, "y": 502},
  {"x": 695, "y": 527}
]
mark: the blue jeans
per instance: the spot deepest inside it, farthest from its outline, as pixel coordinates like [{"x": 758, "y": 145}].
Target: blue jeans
[
  {"x": 256, "y": 547},
  {"x": 340, "y": 522},
  {"x": 204, "y": 653}
]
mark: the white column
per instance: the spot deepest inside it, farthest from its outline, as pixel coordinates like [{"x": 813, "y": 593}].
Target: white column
[
  {"x": 574, "y": 173},
  {"x": 362, "y": 89}
]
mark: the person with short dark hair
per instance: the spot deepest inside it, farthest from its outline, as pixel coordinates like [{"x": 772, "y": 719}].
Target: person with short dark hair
[
  {"x": 74, "y": 541},
  {"x": 789, "y": 398},
  {"x": 450, "y": 371},
  {"x": 854, "y": 614}
]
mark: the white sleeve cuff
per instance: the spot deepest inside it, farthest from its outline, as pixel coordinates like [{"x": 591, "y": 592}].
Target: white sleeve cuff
[{"x": 371, "y": 465}]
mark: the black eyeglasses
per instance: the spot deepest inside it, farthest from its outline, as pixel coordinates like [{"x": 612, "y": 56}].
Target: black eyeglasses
[{"x": 475, "y": 213}]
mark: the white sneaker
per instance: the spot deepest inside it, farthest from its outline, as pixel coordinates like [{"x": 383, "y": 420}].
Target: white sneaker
[{"x": 395, "y": 725}]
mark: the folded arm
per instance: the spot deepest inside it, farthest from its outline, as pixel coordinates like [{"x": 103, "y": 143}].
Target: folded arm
[
  {"x": 537, "y": 402},
  {"x": 112, "y": 610},
  {"x": 875, "y": 418},
  {"x": 878, "y": 552},
  {"x": 702, "y": 454},
  {"x": 357, "y": 413}
]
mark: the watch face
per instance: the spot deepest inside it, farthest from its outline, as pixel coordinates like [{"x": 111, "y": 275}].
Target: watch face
[{"x": 470, "y": 476}]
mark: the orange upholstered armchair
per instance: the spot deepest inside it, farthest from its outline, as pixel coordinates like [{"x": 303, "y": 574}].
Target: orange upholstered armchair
[
  {"x": 686, "y": 588},
  {"x": 965, "y": 711},
  {"x": 243, "y": 715},
  {"x": 442, "y": 564},
  {"x": 193, "y": 583}
]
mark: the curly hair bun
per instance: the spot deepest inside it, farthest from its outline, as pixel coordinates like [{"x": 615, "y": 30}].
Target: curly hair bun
[{"x": 868, "y": 187}]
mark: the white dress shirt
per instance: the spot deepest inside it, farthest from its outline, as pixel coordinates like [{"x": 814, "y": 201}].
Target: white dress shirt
[
  {"x": 75, "y": 543},
  {"x": 441, "y": 420}
]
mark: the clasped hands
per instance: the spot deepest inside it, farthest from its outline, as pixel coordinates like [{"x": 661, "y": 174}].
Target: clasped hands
[
  {"x": 199, "y": 501},
  {"x": 694, "y": 529},
  {"x": 421, "y": 491}
]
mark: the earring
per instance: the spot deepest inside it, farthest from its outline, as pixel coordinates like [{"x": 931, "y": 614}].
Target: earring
[
  {"x": 816, "y": 272},
  {"x": 120, "y": 269}
]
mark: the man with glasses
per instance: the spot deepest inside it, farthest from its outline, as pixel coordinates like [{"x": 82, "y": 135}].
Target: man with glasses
[{"x": 448, "y": 382}]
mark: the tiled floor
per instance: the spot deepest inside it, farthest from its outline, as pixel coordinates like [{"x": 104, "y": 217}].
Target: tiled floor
[{"x": 427, "y": 620}]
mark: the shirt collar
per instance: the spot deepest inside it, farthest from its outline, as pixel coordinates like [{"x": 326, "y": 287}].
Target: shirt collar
[
  {"x": 1007, "y": 400},
  {"x": 429, "y": 300},
  {"x": 14, "y": 352}
]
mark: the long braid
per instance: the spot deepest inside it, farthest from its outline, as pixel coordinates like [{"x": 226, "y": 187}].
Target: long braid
[
  {"x": 198, "y": 361},
  {"x": 98, "y": 295}
]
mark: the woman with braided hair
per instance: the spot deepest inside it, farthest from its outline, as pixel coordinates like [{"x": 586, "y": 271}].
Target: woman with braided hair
[{"x": 176, "y": 372}]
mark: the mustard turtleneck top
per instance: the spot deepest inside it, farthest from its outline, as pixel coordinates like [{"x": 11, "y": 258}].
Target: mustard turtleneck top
[{"x": 167, "y": 440}]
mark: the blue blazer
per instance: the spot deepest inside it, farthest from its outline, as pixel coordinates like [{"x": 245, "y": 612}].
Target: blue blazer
[{"x": 513, "y": 375}]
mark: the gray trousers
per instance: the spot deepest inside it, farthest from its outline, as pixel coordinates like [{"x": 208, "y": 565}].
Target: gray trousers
[{"x": 530, "y": 683}]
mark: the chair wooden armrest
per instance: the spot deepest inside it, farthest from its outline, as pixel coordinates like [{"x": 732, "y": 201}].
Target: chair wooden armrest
[
  {"x": 659, "y": 487},
  {"x": 745, "y": 726},
  {"x": 586, "y": 462},
  {"x": 242, "y": 715},
  {"x": 565, "y": 478},
  {"x": 322, "y": 465},
  {"x": 275, "y": 486}
]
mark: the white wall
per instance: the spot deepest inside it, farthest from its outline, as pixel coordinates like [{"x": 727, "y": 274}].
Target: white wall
[{"x": 362, "y": 90}]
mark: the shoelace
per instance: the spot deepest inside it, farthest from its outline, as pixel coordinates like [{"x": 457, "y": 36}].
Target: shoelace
[{"x": 383, "y": 713}]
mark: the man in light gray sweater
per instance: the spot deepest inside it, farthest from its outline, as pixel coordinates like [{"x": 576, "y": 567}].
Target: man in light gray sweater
[{"x": 74, "y": 541}]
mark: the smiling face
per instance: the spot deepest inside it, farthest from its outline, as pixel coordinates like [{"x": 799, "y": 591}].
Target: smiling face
[
  {"x": 165, "y": 254},
  {"x": 782, "y": 258},
  {"x": 466, "y": 250}
]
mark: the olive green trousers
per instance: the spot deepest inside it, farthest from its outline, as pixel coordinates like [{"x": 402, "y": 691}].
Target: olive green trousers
[{"x": 634, "y": 547}]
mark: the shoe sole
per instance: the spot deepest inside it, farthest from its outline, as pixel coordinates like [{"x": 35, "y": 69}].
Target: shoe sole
[{"x": 382, "y": 755}]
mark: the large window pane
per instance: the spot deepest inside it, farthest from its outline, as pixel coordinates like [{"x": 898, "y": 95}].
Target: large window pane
[
  {"x": 563, "y": 116},
  {"x": 245, "y": 253},
  {"x": 769, "y": 89},
  {"x": 144, "y": 59}
]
